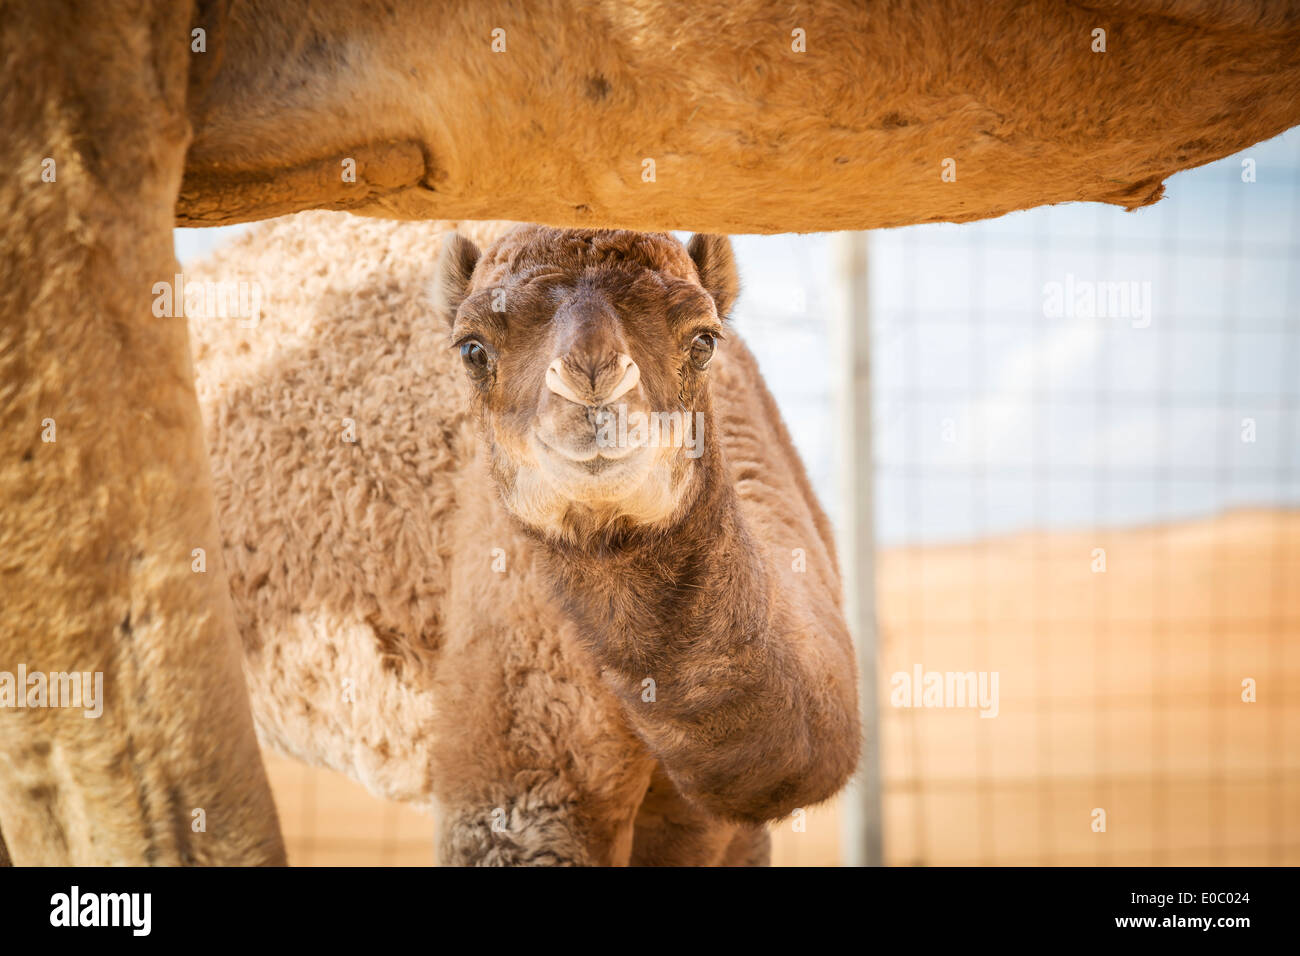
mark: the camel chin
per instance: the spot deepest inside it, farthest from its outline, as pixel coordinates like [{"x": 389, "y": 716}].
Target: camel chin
[{"x": 562, "y": 498}]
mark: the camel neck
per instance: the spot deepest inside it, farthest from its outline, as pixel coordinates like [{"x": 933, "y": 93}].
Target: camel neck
[{"x": 643, "y": 596}]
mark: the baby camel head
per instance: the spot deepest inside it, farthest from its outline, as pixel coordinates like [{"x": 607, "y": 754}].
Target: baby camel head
[{"x": 587, "y": 353}]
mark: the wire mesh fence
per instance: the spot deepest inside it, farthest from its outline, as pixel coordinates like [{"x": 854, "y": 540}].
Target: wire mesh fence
[{"x": 1087, "y": 461}]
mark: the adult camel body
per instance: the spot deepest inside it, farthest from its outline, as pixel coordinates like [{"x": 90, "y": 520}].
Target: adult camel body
[{"x": 752, "y": 117}]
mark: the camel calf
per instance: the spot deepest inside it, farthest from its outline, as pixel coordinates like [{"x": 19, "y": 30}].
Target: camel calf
[{"x": 471, "y": 578}]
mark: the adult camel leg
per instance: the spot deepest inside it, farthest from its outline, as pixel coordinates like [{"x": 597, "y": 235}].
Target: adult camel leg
[
  {"x": 4, "y": 852},
  {"x": 104, "y": 485}
]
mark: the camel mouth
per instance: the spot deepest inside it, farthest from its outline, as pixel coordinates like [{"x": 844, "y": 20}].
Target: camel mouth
[
  {"x": 590, "y": 472},
  {"x": 584, "y": 445},
  {"x": 591, "y": 457}
]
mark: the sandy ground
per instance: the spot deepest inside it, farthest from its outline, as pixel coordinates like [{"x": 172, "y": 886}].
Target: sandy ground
[{"x": 1118, "y": 691}]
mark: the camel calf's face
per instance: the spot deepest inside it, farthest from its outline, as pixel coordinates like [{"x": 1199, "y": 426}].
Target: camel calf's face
[{"x": 587, "y": 354}]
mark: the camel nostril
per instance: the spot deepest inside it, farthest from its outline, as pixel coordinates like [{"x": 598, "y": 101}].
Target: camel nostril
[
  {"x": 557, "y": 383},
  {"x": 627, "y": 381},
  {"x": 608, "y": 382}
]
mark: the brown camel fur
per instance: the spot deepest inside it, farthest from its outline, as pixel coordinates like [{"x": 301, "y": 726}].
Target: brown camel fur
[
  {"x": 454, "y": 614},
  {"x": 98, "y": 528},
  {"x": 104, "y": 486},
  {"x": 751, "y": 126}
]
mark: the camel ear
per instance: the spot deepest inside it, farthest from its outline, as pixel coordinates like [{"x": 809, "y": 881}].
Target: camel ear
[
  {"x": 716, "y": 265},
  {"x": 455, "y": 268}
]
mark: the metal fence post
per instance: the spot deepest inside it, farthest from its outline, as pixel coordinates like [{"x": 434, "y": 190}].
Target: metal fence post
[{"x": 861, "y": 837}]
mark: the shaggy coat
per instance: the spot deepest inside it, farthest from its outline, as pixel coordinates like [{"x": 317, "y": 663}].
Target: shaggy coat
[{"x": 401, "y": 627}]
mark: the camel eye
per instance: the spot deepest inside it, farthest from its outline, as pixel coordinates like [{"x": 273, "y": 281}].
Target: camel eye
[
  {"x": 475, "y": 356},
  {"x": 702, "y": 348}
]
